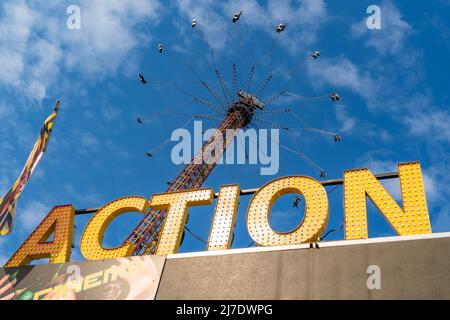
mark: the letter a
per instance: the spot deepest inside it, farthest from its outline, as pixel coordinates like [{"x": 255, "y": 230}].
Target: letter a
[
  {"x": 374, "y": 21},
  {"x": 60, "y": 222},
  {"x": 74, "y": 18},
  {"x": 374, "y": 279}
]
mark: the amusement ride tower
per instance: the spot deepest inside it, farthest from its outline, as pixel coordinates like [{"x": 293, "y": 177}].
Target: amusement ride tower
[
  {"x": 239, "y": 115},
  {"x": 235, "y": 111}
]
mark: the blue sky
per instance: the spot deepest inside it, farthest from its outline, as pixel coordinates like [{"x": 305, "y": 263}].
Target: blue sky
[{"x": 394, "y": 83}]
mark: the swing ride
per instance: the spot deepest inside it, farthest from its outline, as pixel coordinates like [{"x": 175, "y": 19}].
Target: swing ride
[{"x": 240, "y": 108}]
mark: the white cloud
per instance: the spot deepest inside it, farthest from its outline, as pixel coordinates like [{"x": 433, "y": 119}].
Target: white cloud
[
  {"x": 86, "y": 197},
  {"x": 109, "y": 34},
  {"x": 88, "y": 140},
  {"x": 346, "y": 121},
  {"x": 211, "y": 23},
  {"x": 431, "y": 183},
  {"x": 431, "y": 123},
  {"x": 378, "y": 166},
  {"x": 390, "y": 39},
  {"x": 393, "y": 185},
  {"x": 31, "y": 215},
  {"x": 15, "y": 28},
  {"x": 342, "y": 73},
  {"x": 430, "y": 180},
  {"x": 3, "y": 257},
  {"x": 21, "y": 135},
  {"x": 287, "y": 219},
  {"x": 441, "y": 222},
  {"x": 110, "y": 112},
  {"x": 304, "y": 18},
  {"x": 389, "y": 85},
  {"x": 33, "y": 36}
]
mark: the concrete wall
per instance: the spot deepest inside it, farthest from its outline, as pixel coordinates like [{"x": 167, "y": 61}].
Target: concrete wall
[{"x": 415, "y": 268}]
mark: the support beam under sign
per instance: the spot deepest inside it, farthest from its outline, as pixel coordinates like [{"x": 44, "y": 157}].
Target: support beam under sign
[{"x": 246, "y": 192}]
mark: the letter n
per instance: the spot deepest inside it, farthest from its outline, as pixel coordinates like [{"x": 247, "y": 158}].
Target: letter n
[
  {"x": 58, "y": 222},
  {"x": 413, "y": 219}
]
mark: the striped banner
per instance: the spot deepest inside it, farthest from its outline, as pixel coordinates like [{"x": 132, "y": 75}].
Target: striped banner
[{"x": 9, "y": 200}]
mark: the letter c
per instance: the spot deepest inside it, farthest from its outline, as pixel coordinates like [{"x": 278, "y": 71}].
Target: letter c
[{"x": 91, "y": 241}]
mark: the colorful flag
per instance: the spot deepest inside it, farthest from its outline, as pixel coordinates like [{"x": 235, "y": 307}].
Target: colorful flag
[{"x": 9, "y": 200}]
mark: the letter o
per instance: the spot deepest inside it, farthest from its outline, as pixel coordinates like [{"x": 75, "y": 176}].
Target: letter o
[{"x": 315, "y": 217}]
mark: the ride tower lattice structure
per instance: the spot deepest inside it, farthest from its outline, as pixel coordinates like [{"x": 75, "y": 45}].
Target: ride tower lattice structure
[{"x": 145, "y": 236}]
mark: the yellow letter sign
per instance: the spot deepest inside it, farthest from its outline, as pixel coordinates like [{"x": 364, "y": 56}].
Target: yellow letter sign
[
  {"x": 177, "y": 204},
  {"x": 222, "y": 227},
  {"x": 314, "y": 221},
  {"x": 59, "y": 222},
  {"x": 91, "y": 241}
]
